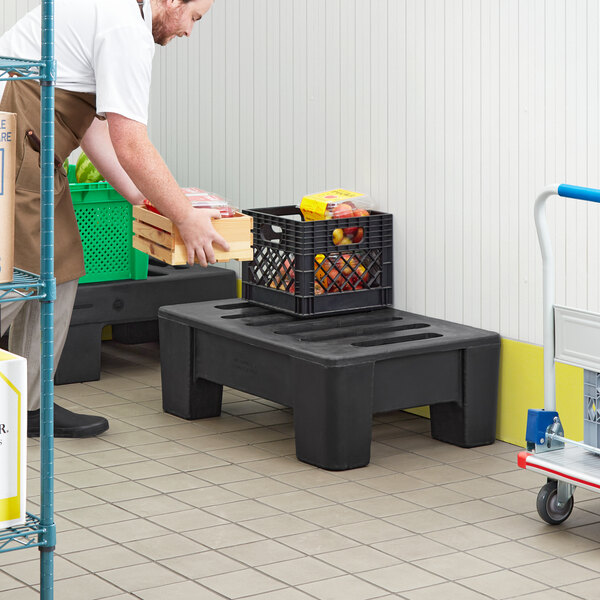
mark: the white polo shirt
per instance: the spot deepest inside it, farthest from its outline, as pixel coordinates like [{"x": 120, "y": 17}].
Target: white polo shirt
[{"x": 101, "y": 46}]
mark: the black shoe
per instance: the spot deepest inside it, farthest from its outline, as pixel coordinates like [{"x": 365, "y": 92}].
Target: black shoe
[{"x": 67, "y": 424}]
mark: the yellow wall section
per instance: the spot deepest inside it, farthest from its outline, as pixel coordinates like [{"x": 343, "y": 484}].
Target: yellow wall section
[{"x": 522, "y": 387}]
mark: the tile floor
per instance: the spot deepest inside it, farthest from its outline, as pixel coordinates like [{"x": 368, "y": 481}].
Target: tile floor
[{"x": 164, "y": 509}]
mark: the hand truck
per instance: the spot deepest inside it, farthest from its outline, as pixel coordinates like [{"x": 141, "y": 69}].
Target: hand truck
[{"x": 571, "y": 336}]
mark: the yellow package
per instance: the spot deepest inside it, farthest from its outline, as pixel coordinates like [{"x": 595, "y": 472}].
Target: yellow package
[
  {"x": 13, "y": 439},
  {"x": 333, "y": 204}
]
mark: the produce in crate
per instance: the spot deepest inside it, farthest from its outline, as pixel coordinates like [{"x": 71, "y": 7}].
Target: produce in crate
[
  {"x": 85, "y": 171},
  {"x": 334, "y": 204},
  {"x": 202, "y": 199},
  {"x": 340, "y": 273}
]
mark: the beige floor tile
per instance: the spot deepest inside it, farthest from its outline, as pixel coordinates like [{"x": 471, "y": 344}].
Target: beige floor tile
[
  {"x": 515, "y": 527},
  {"x": 132, "y": 439},
  {"x": 258, "y": 487},
  {"x": 560, "y": 543},
  {"x": 451, "y": 591},
  {"x": 73, "y": 499},
  {"x": 240, "y": 454},
  {"x": 394, "y": 484},
  {"x": 78, "y": 540},
  {"x": 521, "y": 478},
  {"x": 279, "y": 525},
  {"x": 346, "y": 587},
  {"x": 316, "y": 542},
  {"x": 556, "y": 572},
  {"x": 306, "y": 479},
  {"x": 203, "y": 564},
  {"x": 486, "y": 465},
  {"x": 413, "y": 548},
  {"x": 474, "y": 511},
  {"x": 187, "y": 520},
  {"x": 553, "y": 594},
  {"x": 383, "y": 506},
  {"x": 178, "y": 482},
  {"x": 432, "y": 497},
  {"x": 404, "y": 461},
  {"x": 301, "y": 570},
  {"x": 210, "y": 442},
  {"x": 589, "y": 560},
  {"x": 87, "y": 587},
  {"x": 247, "y": 582},
  {"x": 126, "y": 490},
  {"x": 151, "y": 506},
  {"x": 346, "y": 492},
  {"x": 400, "y": 578},
  {"x": 228, "y": 474},
  {"x": 29, "y": 572},
  {"x": 107, "y": 557},
  {"x": 261, "y": 553},
  {"x": 482, "y": 487},
  {"x": 98, "y": 515},
  {"x": 332, "y": 516},
  {"x": 522, "y": 501},
  {"x": 372, "y": 531},
  {"x": 191, "y": 460},
  {"x": 163, "y": 450},
  {"x": 187, "y": 590},
  {"x": 424, "y": 521},
  {"x": 141, "y": 577},
  {"x": 455, "y": 566},
  {"x": 283, "y": 594},
  {"x": 466, "y": 537},
  {"x": 179, "y": 430},
  {"x": 440, "y": 475},
  {"x": 165, "y": 546},
  {"x": 70, "y": 464},
  {"x": 113, "y": 457},
  {"x": 258, "y": 435},
  {"x": 22, "y": 593},
  {"x": 588, "y": 590},
  {"x": 368, "y": 472},
  {"x": 503, "y": 584},
  {"x": 143, "y": 470},
  {"x": 223, "y": 536},
  {"x": 77, "y": 447},
  {"x": 242, "y": 510},
  {"x": 156, "y": 420},
  {"x": 511, "y": 554},
  {"x": 278, "y": 466},
  {"x": 90, "y": 478},
  {"x": 295, "y": 501},
  {"x": 128, "y": 531},
  {"x": 358, "y": 559}
]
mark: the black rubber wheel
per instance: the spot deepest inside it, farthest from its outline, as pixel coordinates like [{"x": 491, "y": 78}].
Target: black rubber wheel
[{"x": 547, "y": 505}]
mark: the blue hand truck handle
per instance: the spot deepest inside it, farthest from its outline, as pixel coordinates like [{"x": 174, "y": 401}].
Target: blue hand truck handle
[{"x": 579, "y": 193}]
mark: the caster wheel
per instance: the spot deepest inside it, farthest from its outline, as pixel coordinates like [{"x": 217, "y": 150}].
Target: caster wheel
[{"x": 547, "y": 505}]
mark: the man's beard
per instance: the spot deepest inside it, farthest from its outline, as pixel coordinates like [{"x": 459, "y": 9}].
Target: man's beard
[{"x": 161, "y": 30}]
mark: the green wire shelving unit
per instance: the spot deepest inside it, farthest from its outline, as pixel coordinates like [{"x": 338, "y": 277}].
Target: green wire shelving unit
[{"x": 40, "y": 530}]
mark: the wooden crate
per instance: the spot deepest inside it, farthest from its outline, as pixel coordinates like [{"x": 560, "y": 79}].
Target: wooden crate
[{"x": 157, "y": 236}]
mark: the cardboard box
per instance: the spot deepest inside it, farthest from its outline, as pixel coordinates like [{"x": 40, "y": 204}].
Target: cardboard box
[
  {"x": 157, "y": 236},
  {"x": 13, "y": 439},
  {"x": 8, "y": 144}
]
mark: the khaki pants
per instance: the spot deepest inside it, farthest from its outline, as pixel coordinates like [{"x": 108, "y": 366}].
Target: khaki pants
[{"x": 24, "y": 339}]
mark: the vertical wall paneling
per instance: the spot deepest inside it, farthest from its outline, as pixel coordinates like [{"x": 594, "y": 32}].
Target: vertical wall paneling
[{"x": 452, "y": 114}]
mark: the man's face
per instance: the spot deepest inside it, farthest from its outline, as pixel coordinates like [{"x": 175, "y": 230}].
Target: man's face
[{"x": 172, "y": 18}]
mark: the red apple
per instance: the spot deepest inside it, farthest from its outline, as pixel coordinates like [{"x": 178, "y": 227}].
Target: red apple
[
  {"x": 360, "y": 212},
  {"x": 358, "y": 236},
  {"x": 342, "y": 211}
]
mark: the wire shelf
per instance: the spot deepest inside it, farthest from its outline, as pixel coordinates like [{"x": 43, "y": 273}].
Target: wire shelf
[
  {"x": 17, "y": 68},
  {"x": 24, "y": 285},
  {"x": 22, "y": 536}
]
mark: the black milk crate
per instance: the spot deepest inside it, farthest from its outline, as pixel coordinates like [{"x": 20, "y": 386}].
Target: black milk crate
[{"x": 298, "y": 269}]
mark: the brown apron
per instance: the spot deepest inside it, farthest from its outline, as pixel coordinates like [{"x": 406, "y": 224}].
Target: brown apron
[{"x": 74, "y": 113}]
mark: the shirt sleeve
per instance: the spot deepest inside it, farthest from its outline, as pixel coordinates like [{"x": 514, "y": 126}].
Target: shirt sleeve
[{"x": 123, "y": 70}]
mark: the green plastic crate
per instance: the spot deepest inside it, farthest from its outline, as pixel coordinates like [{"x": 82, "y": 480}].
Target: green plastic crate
[{"x": 105, "y": 225}]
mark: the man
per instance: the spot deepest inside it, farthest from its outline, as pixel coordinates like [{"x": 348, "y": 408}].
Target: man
[{"x": 104, "y": 51}]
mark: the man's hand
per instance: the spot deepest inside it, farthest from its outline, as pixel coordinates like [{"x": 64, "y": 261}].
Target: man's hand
[
  {"x": 142, "y": 162},
  {"x": 199, "y": 234}
]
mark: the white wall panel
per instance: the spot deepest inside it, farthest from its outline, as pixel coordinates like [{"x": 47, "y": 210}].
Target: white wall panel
[{"x": 453, "y": 114}]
